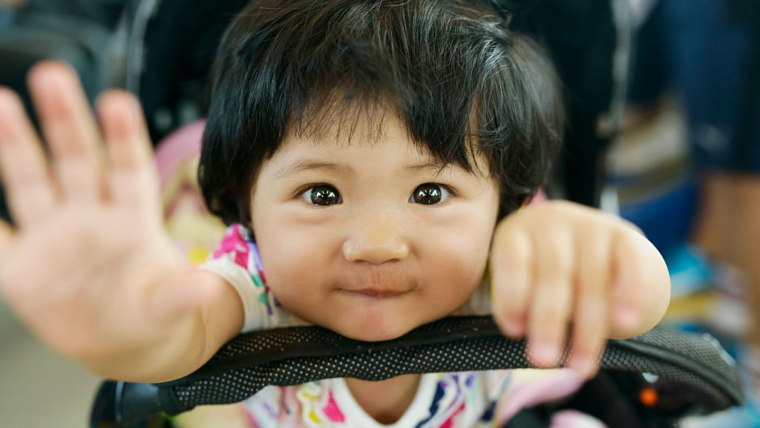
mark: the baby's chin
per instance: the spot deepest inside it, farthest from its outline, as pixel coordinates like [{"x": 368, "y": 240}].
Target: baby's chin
[
  {"x": 374, "y": 334},
  {"x": 372, "y": 320},
  {"x": 372, "y": 329}
]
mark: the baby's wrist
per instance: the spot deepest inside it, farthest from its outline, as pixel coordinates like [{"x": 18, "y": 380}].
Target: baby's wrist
[{"x": 176, "y": 355}]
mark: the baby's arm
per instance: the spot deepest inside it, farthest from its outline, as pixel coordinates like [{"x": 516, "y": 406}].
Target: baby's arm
[
  {"x": 189, "y": 345},
  {"x": 88, "y": 266}
]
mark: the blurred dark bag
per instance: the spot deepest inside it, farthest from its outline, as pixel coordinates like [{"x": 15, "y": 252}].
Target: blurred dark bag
[{"x": 78, "y": 32}]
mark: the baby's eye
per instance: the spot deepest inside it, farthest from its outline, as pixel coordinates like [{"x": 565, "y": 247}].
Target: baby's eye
[
  {"x": 429, "y": 194},
  {"x": 322, "y": 195}
]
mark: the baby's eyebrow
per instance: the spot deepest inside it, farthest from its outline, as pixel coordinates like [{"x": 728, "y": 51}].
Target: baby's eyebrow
[
  {"x": 341, "y": 168},
  {"x": 308, "y": 165},
  {"x": 424, "y": 165}
]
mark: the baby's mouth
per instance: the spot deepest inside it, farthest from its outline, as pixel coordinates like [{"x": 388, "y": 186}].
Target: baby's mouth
[
  {"x": 377, "y": 286},
  {"x": 379, "y": 293}
]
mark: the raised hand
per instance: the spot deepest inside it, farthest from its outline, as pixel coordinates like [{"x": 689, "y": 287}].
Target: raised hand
[
  {"x": 567, "y": 273},
  {"x": 88, "y": 267}
]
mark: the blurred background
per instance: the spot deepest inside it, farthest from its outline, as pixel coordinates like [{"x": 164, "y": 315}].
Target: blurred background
[{"x": 663, "y": 106}]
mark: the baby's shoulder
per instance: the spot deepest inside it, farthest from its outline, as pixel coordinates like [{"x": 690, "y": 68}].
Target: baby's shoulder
[{"x": 237, "y": 260}]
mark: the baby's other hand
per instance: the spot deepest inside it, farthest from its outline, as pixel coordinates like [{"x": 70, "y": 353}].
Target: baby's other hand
[{"x": 560, "y": 269}]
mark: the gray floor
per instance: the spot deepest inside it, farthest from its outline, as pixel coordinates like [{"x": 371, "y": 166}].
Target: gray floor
[{"x": 39, "y": 389}]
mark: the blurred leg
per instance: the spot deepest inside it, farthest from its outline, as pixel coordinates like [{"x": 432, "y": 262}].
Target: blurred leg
[
  {"x": 714, "y": 217},
  {"x": 709, "y": 50},
  {"x": 744, "y": 240},
  {"x": 707, "y": 55}
]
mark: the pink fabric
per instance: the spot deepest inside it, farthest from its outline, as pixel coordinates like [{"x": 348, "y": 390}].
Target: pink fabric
[
  {"x": 332, "y": 411},
  {"x": 234, "y": 242},
  {"x": 575, "y": 419},
  {"x": 560, "y": 384},
  {"x": 539, "y": 198},
  {"x": 450, "y": 422},
  {"x": 178, "y": 147}
]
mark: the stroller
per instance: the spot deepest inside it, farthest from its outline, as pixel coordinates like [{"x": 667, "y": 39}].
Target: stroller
[{"x": 650, "y": 381}]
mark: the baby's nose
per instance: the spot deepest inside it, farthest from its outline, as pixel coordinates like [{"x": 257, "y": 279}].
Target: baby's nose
[{"x": 376, "y": 241}]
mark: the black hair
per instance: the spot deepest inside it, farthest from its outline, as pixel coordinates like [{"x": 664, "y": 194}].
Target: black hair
[{"x": 449, "y": 69}]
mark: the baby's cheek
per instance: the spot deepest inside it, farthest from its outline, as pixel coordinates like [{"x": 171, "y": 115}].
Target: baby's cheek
[
  {"x": 465, "y": 260},
  {"x": 454, "y": 284},
  {"x": 289, "y": 257},
  {"x": 462, "y": 274}
]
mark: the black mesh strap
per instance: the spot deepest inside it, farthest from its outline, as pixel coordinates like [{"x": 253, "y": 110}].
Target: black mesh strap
[{"x": 297, "y": 355}]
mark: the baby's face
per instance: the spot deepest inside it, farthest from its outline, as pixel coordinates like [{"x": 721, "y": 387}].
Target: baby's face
[{"x": 366, "y": 238}]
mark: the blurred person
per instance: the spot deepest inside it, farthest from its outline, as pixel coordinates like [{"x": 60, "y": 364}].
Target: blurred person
[
  {"x": 710, "y": 52},
  {"x": 707, "y": 53}
]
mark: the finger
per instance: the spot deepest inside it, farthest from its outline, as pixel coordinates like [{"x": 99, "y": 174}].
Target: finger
[
  {"x": 590, "y": 320},
  {"x": 510, "y": 264},
  {"x": 69, "y": 129},
  {"x": 552, "y": 298},
  {"x": 132, "y": 174},
  {"x": 629, "y": 276},
  {"x": 23, "y": 168}
]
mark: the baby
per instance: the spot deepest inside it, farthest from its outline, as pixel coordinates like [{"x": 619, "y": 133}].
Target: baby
[{"x": 374, "y": 160}]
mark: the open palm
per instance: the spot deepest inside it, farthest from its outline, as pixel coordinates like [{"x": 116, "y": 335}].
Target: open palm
[{"x": 87, "y": 267}]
